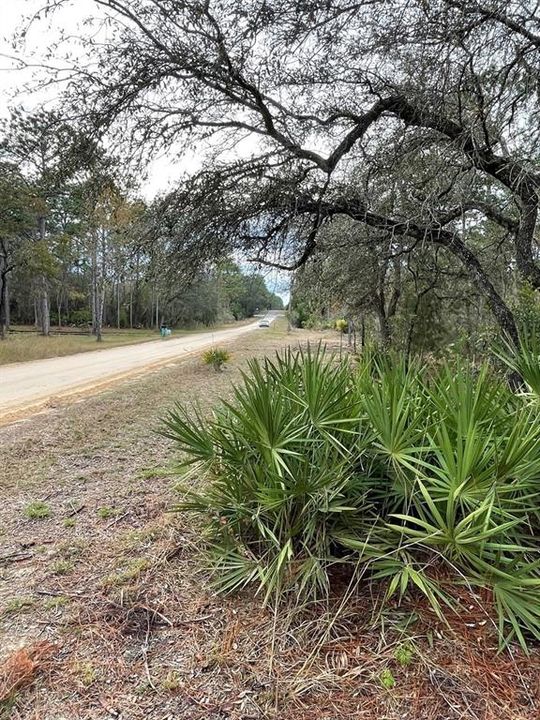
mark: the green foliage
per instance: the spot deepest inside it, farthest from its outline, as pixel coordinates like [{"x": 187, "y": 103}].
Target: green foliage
[
  {"x": 404, "y": 472},
  {"x": 37, "y": 510},
  {"x": 404, "y": 654},
  {"x": 527, "y": 306},
  {"x": 106, "y": 512},
  {"x": 342, "y": 325},
  {"x": 247, "y": 294},
  {"x": 7, "y": 706},
  {"x": 17, "y": 604},
  {"x": 129, "y": 573},
  {"x": 217, "y": 358},
  {"x": 299, "y": 315},
  {"x": 524, "y": 360},
  {"x": 387, "y": 679},
  {"x": 282, "y": 484},
  {"x": 81, "y": 317},
  {"x": 62, "y": 567}
]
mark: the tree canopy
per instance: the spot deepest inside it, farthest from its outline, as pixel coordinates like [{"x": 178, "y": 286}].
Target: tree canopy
[
  {"x": 78, "y": 247},
  {"x": 417, "y": 121}
]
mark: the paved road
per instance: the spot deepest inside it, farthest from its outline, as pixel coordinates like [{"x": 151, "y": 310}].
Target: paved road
[{"x": 33, "y": 383}]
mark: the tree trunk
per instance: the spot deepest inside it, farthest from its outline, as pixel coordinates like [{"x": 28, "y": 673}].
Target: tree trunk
[
  {"x": 410, "y": 331},
  {"x": 43, "y": 289},
  {"x": 97, "y": 304},
  {"x": 118, "y": 304},
  {"x": 524, "y": 240},
  {"x": 94, "y": 293},
  {"x": 4, "y": 300},
  {"x": 383, "y": 320},
  {"x": 43, "y": 306},
  {"x": 59, "y": 308},
  {"x": 100, "y": 311},
  {"x": 498, "y": 307},
  {"x": 384, "y": 328},
  {"x": 6, "y": 308}
]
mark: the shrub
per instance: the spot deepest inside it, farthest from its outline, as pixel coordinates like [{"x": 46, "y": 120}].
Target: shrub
[
  {"x": 80, "y": 317},
  {"x": 216, "y": 358},
  {"x": 403, "y": 473},
  {"x": 524, "y": 360}
]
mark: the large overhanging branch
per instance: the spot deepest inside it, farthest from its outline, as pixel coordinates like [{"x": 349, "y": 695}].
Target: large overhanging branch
[
  {"x": 227, "y": 78},
  {"x": 433, "y": 234}
]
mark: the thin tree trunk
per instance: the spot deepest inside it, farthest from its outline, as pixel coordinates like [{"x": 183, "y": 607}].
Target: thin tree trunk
[
  {"x": 59, "y": 308},
  {"x": 96, "y": 309},
  {"x": 384, "y": 328},
  {"x": 43, "y": 289},
  {"x": 6, "y": 307},
  {"x": 44, "y": 309},
  {"x": 101, "y": 306},
  {"x": 4, "y": 300},
  {"x": 118, "y": 304}
]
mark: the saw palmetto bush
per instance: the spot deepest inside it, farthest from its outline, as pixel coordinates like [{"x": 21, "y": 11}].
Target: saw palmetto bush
[
  {"x": 402, "y": 474},
  {"x": 523, "y": 359},
  {"x": 282, "y": 475},
  {"x": 216, "y": 358}
]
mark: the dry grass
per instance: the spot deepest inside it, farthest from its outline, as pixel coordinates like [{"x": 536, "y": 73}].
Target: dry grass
[
  {"x": 23, "y": 346},
  {"x": 141, "y": 635},
  {"x": 26, "y": 345}
]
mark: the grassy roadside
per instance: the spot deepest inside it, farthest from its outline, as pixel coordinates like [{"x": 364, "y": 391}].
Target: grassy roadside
[
  {"x": 24, "y": 346},
  {"x": 106, "y": 588}
]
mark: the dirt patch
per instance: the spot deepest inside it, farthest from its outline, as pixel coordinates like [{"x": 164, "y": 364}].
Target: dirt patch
[{"x": 92, "y": 563}]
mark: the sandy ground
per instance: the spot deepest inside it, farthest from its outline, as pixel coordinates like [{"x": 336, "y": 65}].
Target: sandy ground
[
  {"x": 108, "y": 594},
  {"x": 31, "y": 384}
]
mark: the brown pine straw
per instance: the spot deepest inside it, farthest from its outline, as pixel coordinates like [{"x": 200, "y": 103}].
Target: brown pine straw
[{"x": 21, "y": 668}]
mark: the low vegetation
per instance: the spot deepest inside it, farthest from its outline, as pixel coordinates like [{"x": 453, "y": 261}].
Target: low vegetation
[
  {"x": 216, "y": 358},
  {"x": 37, "y": 510},
  {"x": 419, "y": 477},
  {"x": 23, "y": 346}
]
